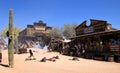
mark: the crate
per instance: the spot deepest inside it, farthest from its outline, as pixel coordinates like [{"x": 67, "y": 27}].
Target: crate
[
  {"x": 111, "y": 59},
  {"x": 89, "y": 56},
  {"x": 23, "y": 50},
  {"x": 99, "y": 58}
]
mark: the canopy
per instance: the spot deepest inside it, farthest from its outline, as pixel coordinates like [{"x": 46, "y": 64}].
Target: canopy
[{"x": 66, "y": 41}]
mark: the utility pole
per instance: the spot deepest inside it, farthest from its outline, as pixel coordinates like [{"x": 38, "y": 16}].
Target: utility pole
[{"x": 11, "y": 40}]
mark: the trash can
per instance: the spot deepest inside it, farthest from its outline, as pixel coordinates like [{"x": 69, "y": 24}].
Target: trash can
[{"x": 116, "y": 58}]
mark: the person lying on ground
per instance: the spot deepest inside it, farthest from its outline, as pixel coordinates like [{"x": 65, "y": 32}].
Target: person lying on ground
[
  {"x": 53, "y": 59},
  {"x": 56, "y": 57},
  {"x": 43, "y": 59},
  {"x": 30, "y": 58},
  {"x": 74, "y": 59}
]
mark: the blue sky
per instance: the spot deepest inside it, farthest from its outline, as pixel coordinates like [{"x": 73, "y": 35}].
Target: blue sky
[{"x": 59, "y": 12}]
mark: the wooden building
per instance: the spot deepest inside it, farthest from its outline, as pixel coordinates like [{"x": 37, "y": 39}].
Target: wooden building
[
  {"x": 35, "y": 30},
  {"x": 98, "y": 38},
  {"x": 39, "y": 31}
]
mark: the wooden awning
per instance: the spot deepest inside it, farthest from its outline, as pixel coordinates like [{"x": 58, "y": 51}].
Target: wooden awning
[{"x": 99, "y": 33}]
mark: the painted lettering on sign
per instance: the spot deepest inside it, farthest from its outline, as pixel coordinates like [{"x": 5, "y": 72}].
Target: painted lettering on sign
[{"x": 88, "y": 30}]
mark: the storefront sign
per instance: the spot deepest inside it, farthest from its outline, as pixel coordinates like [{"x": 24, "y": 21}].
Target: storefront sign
[{"x": 88, "y": 30}]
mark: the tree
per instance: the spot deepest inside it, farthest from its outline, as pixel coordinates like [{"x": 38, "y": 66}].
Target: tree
[
  {"x": 11, "y": 40},
  {"x": 3, "y": 32},
  {"x": 73, "y": 28},
  {"x": 56, "y": 31},
  {"x": 15, "y": 29},
  {"x": 69, "y": 30}
]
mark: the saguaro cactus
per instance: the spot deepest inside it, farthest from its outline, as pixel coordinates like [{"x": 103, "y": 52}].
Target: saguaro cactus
[
  {"x": 11, "y": 40},
  {"x": 16, "y": 44}
]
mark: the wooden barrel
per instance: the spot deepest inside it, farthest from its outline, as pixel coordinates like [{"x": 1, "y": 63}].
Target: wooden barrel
[{"x": 111, "y": 58}]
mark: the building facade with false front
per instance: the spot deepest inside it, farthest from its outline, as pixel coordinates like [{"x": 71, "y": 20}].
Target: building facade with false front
[
  {"x": 38, "y": 32},
  {"x": 98, "y": 39}
]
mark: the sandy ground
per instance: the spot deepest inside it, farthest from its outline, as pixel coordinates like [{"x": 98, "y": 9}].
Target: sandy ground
[{"x": 62, "y": 65}]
